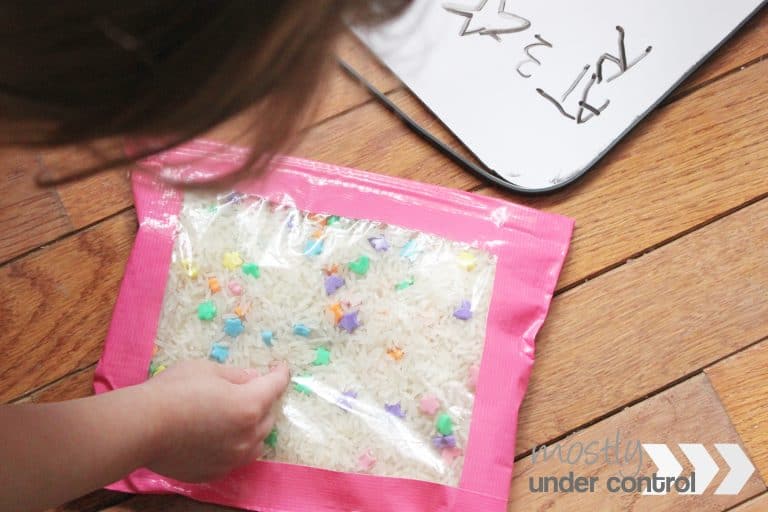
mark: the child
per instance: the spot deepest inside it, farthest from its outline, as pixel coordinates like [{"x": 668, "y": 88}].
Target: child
[{"x": 94, "y": 73}]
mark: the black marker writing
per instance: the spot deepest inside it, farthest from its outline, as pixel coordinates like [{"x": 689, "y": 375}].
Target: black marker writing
[
  {"x": 542, "y": 42},
  {"x": 586, "y": 110}
]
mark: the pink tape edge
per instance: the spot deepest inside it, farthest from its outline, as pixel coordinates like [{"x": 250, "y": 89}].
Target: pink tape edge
[{"x": 524, "y": 285}]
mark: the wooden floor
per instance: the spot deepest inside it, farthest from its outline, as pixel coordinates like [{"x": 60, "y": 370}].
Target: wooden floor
[{"x": 659, "y": 329}]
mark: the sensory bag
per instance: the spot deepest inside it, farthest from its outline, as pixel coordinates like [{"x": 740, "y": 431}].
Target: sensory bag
[{"x": 406, "y": 312}]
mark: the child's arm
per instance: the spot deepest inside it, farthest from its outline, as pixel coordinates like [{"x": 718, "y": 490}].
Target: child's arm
[{"x": 193, "y": 422}]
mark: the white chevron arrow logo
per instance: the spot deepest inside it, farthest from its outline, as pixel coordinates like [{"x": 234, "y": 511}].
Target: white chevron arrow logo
[
  {"x": 666, "y": 463},
  {"x": 741, "y": 468},
  {"x": 704, "y": 466}
]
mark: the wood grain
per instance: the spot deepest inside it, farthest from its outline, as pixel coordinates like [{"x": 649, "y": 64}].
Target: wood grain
[
  {"x": 747, "y": 45},
  {"x": 741, "y": 382},
  {"x": 165, "y": 504},
  {"x": 687, "y": 413},
  {"x": 757, "y": 504},
  {"x": 29, "y": 216},
  {"x": 647, "y": 323},
  {"x": 57, "y": 304},
  {"x": 686, "y": 164}
]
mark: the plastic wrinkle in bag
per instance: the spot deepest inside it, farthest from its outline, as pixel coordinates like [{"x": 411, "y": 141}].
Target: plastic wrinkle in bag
[{"x": 407, "y": 314}]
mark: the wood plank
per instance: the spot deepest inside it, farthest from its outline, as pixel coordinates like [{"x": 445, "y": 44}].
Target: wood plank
[
  {"x": 57, "y": 305},
  {"x": 370, "y": 138},
  {"x": 650, "y": 322},
  {"x": 741, "y": 382},
  {"x": 94, "y": 198},
  {"x": 747, "y": 45},
  {"x": 687, "y": 163},
  {"x": 339, "y": 93},
  {"x": 165, "y": 504},
  {"x": 93, "y": 502},
  {"x": 29, "y": 216},
  {"x": 78, "y": 384},
  {"x": 758, "y": 504},
  {"x": 687, "y": 413}
]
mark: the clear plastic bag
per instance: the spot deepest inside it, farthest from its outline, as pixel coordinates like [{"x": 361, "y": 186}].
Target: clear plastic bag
[
  {"x": 406, "y": 314},
  {"x": 382, "y": 328}
]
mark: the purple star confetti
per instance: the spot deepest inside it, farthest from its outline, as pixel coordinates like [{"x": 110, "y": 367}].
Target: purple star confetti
[
  {"x": 441, "y": 442},
  {"x": 349, "y": 321},
  {"x": 395, "y": 410},
  {"x": 464, "y": 311},
  {"x": 345, "y": 400},
  {"x": 333, "y": 283},
  {"x": 379, "y": 243}
]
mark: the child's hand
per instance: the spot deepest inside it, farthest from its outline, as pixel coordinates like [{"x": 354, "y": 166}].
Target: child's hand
[{"x": 213, "y": 418}]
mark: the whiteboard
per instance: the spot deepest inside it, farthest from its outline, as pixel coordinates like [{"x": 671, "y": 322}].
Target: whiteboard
[{"x": 539, "y": 91}]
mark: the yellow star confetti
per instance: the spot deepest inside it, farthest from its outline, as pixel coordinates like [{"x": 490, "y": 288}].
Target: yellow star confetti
[
  {"x": 467, "y": 260},
  {"x": 231, "y": 260},
  {"x": 190, "y": 269}
]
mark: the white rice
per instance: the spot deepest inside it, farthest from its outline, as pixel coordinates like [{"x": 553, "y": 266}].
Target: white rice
[{"x": 314, "y": 430}]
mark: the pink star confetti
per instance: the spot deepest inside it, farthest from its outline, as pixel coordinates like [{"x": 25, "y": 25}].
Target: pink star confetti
[
  {"x": 366, "y": 461},
  {"x": 449, "y": 454},
  {"x": 474, "y": 373},
  {"x": 429, "y": 404}
]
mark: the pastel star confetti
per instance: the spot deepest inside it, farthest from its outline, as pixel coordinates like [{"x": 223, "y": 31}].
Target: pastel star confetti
[
  {"x": 395, "y": 410},
  {"x": 464, "y": 311},
  {"x": 349, "y": 321},
  {"x": 410, "y": 251},
  {"x": 444, "y": 424},
  {"x": 241, "y": 311},
  {"x": 332, "y": 269},
  {"x": 467, "y": 260},
  {"x": 266, "y": 337},
  {"x": 361, "y": 265},
  {"x": 333, "y": 283},
  {"x": 231, "y": 260},
  {"x": 333, "y": 219},
  {"x": 206, "y": 310},
  {"x": 366, "y": 461},
  {"x": 313, "y": 248},
  {"x": 338, "y": 312},
  {"x": 213, "y": 285},
  {"x": 235, "y": 288},
  {"x": 474, "y": 373},
  {"x": 190, "y": 269},
  {"x": 219, "y": 352},
  {"x": 322, "y": 357},
  {"x": 233, "y": 326},
  {"x": 449, "y": 454},
  {"x": 251, "y": 269},
  {"x": 301, "y": 330},
  {"x": 406, "y": 283},
  {"x": 396, "y": 353},
  {"x": 301, "y": 383},
  {"x": 154, "y": 369},
  {"x": 379, "y": 243},
  {"x": 429, "y": 404},
  {"x": 448, "y": 441},
  {"x": 271, "y": 439},
  {"x": 346, "y": 398}
]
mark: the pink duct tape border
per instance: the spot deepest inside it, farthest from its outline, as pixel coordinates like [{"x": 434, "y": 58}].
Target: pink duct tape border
[{"x": 530, "y": 245}]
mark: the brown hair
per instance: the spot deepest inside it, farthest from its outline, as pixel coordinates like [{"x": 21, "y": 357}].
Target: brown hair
[{"x": 90, "y": 71}]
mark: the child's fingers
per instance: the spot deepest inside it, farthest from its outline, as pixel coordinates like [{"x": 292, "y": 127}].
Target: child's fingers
[
  {"x": 234, "y": 374},
  {"x": 270, "y": 386}
]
